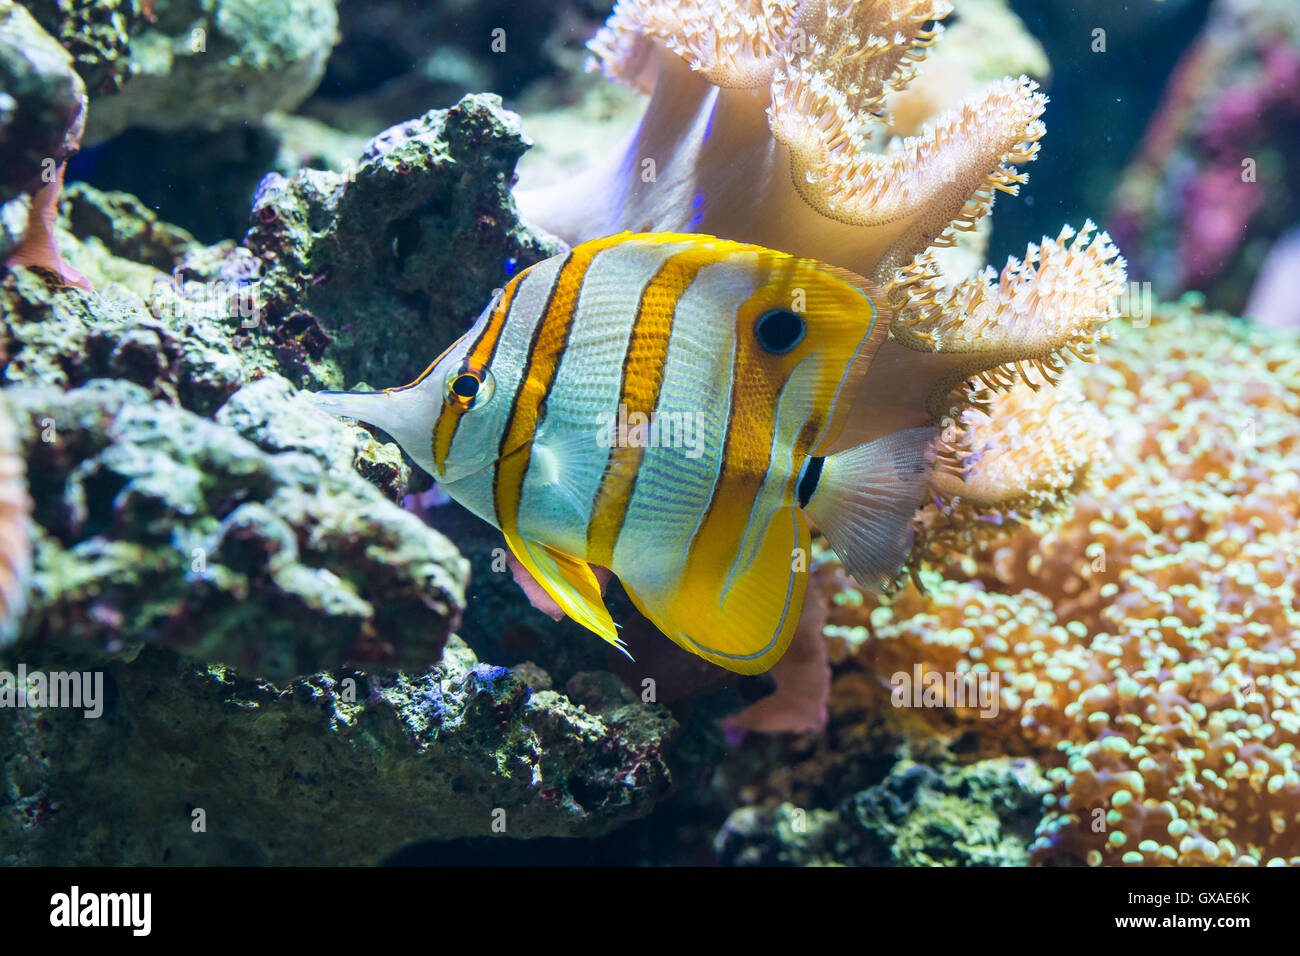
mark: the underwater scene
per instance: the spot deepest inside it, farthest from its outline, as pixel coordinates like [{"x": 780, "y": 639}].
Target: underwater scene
[{"x": 649, "y": 433}]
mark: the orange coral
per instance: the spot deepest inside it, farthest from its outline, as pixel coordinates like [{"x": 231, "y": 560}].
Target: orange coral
[
  {"x": 39, "y": 247},
  {"x": 15, "y": 529},
  {"x": 1146, "y": 646}
]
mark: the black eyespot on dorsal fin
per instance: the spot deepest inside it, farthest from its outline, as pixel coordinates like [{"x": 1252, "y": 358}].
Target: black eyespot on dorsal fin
[{"x": 779, "y": 330}]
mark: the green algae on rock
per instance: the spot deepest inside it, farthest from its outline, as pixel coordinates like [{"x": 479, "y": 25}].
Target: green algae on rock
[
  {"x": 65, "y": 338},
  {"x": 395, "y": 258},
  {"x": 250, "y": 540},
  {"x": 338, "y": 767},
  {"x": 980, "y": 814},
  {"x": 97, "y": 33},
  {"x": 205, "y": 63},
  {"x": 170, "y": 315}
]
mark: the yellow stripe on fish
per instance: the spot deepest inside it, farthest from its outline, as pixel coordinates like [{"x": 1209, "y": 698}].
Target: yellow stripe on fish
[
  {"x": 662, "y": 405},
  {"x": 643, "y": 378}
]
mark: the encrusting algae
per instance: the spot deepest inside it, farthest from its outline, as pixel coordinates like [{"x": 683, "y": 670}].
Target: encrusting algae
[{"x": 1145, "y": 646}]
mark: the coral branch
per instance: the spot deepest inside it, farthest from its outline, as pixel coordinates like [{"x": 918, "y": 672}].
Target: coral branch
[
  {"x": 1021, "y": 329},
  {"x": 923, "y": 188},
  {"x": 1023, "y": 456}
]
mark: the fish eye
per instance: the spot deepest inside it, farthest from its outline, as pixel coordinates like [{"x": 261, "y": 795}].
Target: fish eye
[
  {"x": 779, "y": 330},
  {"x": 469, "y": 388}
]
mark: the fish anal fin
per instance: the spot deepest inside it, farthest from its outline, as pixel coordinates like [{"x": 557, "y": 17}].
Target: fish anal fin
[{"x": 747, "y": 627}]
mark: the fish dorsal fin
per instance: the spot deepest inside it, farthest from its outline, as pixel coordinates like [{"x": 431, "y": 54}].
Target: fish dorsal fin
[
  {"x": 747, "y": 625},
  {"x": 570, "y": 582}
]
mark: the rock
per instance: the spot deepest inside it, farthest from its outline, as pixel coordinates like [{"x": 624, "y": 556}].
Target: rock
[
  {"x": 785, "y": 836},
  {"x": 982, "y": 814},
  {"x": 67, "y": 338},
  {"x": 195, "y": 63},
  {"x": 248, "y": 540},
  {"x": 344, "y": 767},
  {"x": 943, "y": 814},
  {"x": 97, "y": 33},
  {"x": 42, "y": 113},
  {"x": 42, "y": 103},
  {"x": 395, "y": 259}
]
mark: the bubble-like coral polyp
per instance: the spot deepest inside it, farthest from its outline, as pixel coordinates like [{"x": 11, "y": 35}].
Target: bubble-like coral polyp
[{"x": 768, "y": 123}]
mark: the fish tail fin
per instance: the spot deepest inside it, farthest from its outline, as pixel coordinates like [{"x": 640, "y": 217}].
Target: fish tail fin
[{"x": 865, "y": 499}]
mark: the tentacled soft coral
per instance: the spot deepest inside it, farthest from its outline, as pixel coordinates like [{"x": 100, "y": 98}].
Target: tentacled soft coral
[
  {"x": 1146, "y": 645},
  {"x": 1023, "y": 456},
  {"x": 1002, "y": 330},
  {"x": 768, "y": 123}
]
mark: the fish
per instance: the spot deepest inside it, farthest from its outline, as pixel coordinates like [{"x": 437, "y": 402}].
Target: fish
[{"x": 662, "y": 405}]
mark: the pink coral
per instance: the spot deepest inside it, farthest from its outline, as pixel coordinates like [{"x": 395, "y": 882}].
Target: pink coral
[{"x": 39, "y": 247}]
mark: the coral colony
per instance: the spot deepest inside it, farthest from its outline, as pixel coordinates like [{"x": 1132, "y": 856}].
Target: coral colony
[{"x": 1088, "y": 658}]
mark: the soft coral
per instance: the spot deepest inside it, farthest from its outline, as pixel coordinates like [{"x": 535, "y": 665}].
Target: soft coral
[
  {"x": 38, "y": 246},
  {"x": 39, "y": 131}
]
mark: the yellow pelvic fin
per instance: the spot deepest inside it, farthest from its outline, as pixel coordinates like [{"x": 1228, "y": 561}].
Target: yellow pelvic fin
[
  {"x": 747, "y": 627},
  {"x": 571, "y": 583}
]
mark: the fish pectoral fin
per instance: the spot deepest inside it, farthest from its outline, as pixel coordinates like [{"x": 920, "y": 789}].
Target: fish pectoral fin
[
  {"x": 549, "y": 461},
  {"x": 865, "y": 501},
  {"x": 571, "y": 583},
  {"x": 744, "y": 623},
  {"x": 557, "y": 462}
]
